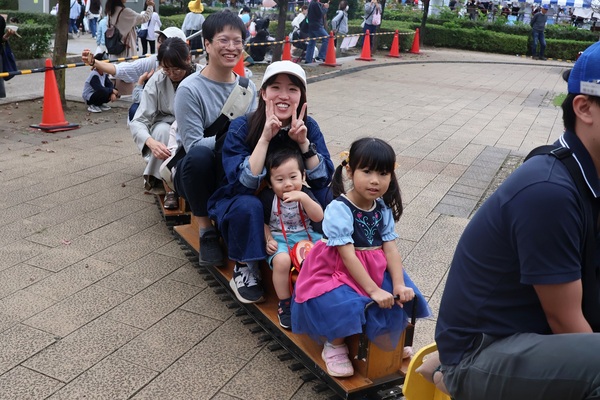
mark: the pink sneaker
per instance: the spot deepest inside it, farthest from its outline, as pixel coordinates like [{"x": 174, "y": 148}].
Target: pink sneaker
[{"x": 337, "y": 361}]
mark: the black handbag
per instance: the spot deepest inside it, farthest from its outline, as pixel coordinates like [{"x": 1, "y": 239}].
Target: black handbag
[
  {"x": 143, "y": 33},
  {"x": 113, "y": 38}
]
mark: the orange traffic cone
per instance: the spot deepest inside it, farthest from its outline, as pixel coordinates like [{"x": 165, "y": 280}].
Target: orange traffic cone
[
  {"x": 395, "y": 49},
  {"x": 415, "y": 46},
  {"x": 53, "y": 117},
  {"x": 330, "y": 56},
  {"x": 365, "y": 55},
  {"x": 239, "y": 68},
  {"x": 287, "y": 50}
]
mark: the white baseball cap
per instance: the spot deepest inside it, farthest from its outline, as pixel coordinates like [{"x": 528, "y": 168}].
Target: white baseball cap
[
  {"x": 173, "y": 32},
  {"x": 284, "y": 67}
]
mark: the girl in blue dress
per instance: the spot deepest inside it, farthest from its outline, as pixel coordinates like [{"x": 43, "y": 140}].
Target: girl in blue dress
[{"x": 357, "y": 262}]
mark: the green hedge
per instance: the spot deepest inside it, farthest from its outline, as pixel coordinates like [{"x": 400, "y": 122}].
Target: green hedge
[
  {"x": 33, "y": 43},
  {"x": 496, "y": 42},
  {"x": 30, "y": 18}
]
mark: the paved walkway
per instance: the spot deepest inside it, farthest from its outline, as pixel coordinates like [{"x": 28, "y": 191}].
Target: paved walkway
[{"x": 97, "y": 300}]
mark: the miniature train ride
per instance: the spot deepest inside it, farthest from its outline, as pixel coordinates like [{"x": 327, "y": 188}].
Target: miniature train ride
[{"x": 378, "y": 374}]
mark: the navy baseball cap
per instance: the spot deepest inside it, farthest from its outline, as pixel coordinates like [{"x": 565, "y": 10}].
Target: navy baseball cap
[
  {"x": 585, "y": 75},
  {"x": 546, "y": 7}
]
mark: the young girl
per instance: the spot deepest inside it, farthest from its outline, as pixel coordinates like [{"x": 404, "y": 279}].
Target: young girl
[
  {"x": 289, "y": 208},
  {"x": 357, "y": 263}
]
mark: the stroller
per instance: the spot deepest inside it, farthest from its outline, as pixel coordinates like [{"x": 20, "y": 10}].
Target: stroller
[{"x": 258, "y": 53}]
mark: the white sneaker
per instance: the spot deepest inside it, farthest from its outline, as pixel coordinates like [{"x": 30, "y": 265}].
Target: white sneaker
[
  {"x": 94, "y": 109},
  {"x": 105, "y": 107}
]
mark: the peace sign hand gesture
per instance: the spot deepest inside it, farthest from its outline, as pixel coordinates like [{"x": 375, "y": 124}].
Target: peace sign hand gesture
[
  {"x": 298, "y": 130},
  {"x": 272, "y": 123}
]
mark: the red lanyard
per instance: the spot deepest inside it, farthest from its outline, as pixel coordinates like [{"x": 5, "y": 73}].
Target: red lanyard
[{"x": 282, "y": 226}]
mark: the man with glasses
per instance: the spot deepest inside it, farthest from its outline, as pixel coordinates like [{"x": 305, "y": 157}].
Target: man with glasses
[
  {"x": 522, "y": 298},
  {"x": 199, "y": 101}
]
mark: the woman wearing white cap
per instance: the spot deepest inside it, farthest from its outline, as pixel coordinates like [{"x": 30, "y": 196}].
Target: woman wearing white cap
[{"x": 238, "y": 212}]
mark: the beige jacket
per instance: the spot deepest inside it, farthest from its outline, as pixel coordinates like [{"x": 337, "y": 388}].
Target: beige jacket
[{"x": 128, "y": 20}]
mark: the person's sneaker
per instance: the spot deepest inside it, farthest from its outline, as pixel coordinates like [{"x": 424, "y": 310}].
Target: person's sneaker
[
  {"x": 337, "y": 361},
  {"x": 94, "y": 109},
  {"x": 543, "y": 58},
  {"x": 210, "y": 250},
  {"x": 284, "y": 313},
  {"x": 319, "y": 59},
  {"x": 535, "y": 58},
  {"x": 105, "y": 107},
  {"x": 246, "y": 285}
]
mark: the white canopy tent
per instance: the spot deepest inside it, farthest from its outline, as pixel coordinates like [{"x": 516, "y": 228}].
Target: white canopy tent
[{"x": 567, "y": 3}]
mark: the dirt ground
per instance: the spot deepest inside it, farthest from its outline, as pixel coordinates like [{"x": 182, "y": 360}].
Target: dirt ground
[{"x": 16, "y": 118}]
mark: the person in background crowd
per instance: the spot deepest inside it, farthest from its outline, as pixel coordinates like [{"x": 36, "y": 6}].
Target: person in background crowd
[
  {"x": 151, "y": 27},
  {"x": 316, "y": 28},
  {"x": 74, "y": 12},
  {"x": 126, "y": 19},
  {"x": 93, "y": 10},
  {"x": 6, "y": 34},
  {"x": 98, "y": 89},
  {"x": 81, "y": 19},
  {"x": 192, "y": 24},
  {"x": 538, "y": 25},
  {"x": 339, "y": 23},
  {"x": 372, "y": 13}
]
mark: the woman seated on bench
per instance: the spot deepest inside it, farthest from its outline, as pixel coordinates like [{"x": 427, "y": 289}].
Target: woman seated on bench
[
  {"x": 153, "y": 118},
  {"x": 235, "y": 208}
]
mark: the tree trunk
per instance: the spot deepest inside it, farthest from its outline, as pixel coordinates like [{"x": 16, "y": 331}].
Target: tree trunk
[
  {"x": 423, "y": 21},
  {"x": 280, "y": 34},
  {"x": 59, "y": 54}
]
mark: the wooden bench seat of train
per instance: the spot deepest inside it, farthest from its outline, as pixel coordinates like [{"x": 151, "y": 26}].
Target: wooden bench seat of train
[
  {"x": 173, "y": 217},
  {"x": 378, "y": 371}
]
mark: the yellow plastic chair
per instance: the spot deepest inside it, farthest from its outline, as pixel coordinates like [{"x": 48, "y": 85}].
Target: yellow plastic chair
[{"x": 416, "y": 387}]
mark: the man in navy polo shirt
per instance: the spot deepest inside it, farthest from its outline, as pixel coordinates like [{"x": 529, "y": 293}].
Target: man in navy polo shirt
[{"x": 511, "y": 323}]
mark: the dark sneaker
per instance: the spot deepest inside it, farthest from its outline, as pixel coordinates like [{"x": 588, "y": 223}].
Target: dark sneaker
[
  {"x": 543, "y": 58},
  {"x": 246, "y": 285},
  {"x": 210, "y": 250},
  {"x": 284, "y": 313},
  {"x": 535, "y": 58}
]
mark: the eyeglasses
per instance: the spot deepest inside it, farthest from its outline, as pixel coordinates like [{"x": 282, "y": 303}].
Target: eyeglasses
[
  {"x": 172, "y": 70},
  {"x": 223, "y": 42}
]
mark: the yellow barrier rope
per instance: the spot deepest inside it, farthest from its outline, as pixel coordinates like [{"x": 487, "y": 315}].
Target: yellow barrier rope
[{"x": 193, "y": 52}]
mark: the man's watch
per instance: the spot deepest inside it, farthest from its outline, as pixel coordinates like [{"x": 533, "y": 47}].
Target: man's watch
[{"x": 312, "y": 151}]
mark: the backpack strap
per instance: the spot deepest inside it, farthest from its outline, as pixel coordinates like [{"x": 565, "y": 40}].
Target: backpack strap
[
  {"x": 590, "y": 277},
  {"x": 221, "y": 124}
]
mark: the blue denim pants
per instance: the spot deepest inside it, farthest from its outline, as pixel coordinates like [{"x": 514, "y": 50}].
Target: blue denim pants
[
  {"x": 538, "y": 36},
  {"x": 310, "y": 49}
]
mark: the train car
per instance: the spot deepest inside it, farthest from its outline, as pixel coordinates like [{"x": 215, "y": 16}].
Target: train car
[{"x": 378, "y": 374}]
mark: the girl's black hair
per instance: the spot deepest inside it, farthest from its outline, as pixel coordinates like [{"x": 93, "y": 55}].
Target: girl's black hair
[
  {"x": 376, "y": 155},
  {"x": 257, "y": 120},
  {"x": 174, "y": 53},
  {"x": 281, "y": 155}
]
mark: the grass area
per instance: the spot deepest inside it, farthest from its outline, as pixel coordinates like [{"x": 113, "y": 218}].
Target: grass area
[{"x": 558, "y": 100}]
